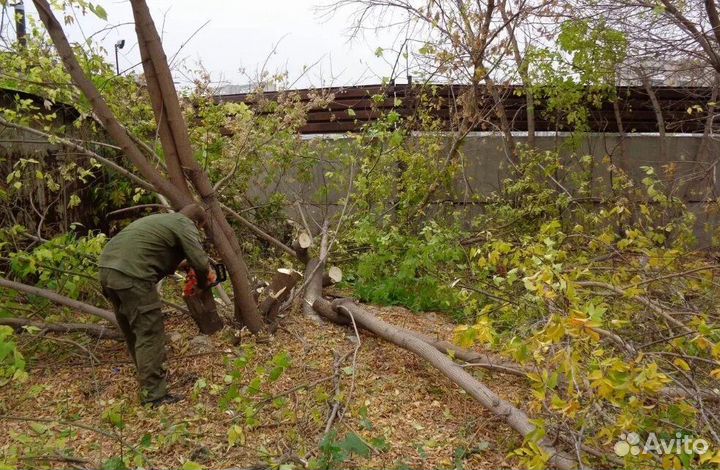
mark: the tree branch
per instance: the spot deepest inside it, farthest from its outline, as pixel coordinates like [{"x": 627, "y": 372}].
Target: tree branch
[
  {"x": 60, "y": 299},
  {"x": 98, "y": 331}
]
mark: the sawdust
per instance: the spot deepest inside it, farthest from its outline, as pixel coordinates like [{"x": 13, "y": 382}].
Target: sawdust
[{"x": 414, "y": 416}]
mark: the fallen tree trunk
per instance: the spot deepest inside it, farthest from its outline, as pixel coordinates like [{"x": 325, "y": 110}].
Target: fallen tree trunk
[
  {"x": 60, "y": 299},
  {"x": 97, "y": 331},
  {"x": 490, "y": 362},
  {"x": 513, "y": 416},
  {"x": 484, "y": 360}
]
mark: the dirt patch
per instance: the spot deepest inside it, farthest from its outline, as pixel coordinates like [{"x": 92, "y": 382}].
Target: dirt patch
[{"x": 76, "y": 413}]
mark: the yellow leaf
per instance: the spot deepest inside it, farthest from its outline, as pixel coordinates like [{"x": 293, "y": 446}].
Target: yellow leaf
[
  {"x": 681, "y": 364},
  {"x": 716, "y": 351},
  {"x": 715, "y": 374}
]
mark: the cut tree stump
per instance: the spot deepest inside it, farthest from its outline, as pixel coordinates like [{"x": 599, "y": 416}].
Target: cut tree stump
[
  {"x": 203, "y": 311},
  {"x": 332, "y": 276},
  {"x": 278, "y": 292}
]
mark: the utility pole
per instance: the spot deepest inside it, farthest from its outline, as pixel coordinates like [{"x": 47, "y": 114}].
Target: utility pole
[
  {"x": 20, "y": 22},
  {"x": 118, "y": 45}
]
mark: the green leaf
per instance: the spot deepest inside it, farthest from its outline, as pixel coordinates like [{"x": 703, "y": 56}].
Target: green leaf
[
  {"x": 190, "y": 465},
  {"x": 99, "y": 11},
  {"x": 275, "y": 373},
  {"x": 236, "y": 435},
  {"x": 114, "y": 463},
  {"x": 353, "y": 444}
]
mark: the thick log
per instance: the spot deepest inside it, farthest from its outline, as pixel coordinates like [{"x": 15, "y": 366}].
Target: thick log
[
  {"x": 203, "y": 311},
  {"x": 60, "y": 299},
  {"x": 278, "y": 292},
  {"x": 513, "y": 416},
  {"x": 301, "y": 245},
  {"x": 97, "y": 331},
  {"x": 332, "y": 276}
]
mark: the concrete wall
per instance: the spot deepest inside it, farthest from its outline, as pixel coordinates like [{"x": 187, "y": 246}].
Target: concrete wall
[{"x": 679, "y": 163}]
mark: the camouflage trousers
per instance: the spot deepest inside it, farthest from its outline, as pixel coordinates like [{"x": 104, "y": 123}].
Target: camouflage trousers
[{"x": 137, "y": 308}]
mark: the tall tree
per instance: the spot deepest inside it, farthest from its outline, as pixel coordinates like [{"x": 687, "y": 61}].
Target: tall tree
[{"x": 175, "y": 141}]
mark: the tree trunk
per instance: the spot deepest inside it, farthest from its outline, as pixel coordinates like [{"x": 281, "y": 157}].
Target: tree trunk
[
  {"x": 505, "y": 125},
  {"x": 278, "y": 292},
  {"x": 172, "y": 160},
  {"x": 522, "y": 66},
  {"x": 116, "y": 131},
  {"x": 203, "y": 311},
  {"x": 658, "y": 114},
  {"x": 222, "y": 234},
  {"x": 220, "y": 231}
]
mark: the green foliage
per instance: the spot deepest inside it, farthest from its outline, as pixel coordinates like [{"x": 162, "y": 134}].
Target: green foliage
[
  {"x": 578, "y": 75},
  {"x": 66, "y": 264},
  {"x": 535, "y": 287},
  {"x": 245, "y": 396},
  {"x": 335, "y": 452},
  {"x": 399, "y": 269},
  {"x": 12, "y": 362}
]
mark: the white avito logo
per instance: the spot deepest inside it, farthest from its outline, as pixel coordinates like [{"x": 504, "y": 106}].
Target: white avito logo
[{"x": 630, "y": 444}]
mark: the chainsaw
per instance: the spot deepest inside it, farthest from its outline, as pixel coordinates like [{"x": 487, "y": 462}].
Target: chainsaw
[
  {"x": 191, "y": 282},
  {"x": 200, "y": 302}
]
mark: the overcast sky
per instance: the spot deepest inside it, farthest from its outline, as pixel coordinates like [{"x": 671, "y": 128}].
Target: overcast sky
[{"x": 242, "y": 33}]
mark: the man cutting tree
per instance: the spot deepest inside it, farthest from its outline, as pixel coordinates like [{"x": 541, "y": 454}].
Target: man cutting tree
[{"x": 131, "y": 265}]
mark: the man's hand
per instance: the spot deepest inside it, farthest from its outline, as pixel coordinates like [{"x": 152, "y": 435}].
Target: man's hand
[{"x": 212, "y": 276}]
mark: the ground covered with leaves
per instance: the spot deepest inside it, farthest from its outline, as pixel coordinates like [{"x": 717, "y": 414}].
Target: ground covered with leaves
[{"x": 262, "y": 403}]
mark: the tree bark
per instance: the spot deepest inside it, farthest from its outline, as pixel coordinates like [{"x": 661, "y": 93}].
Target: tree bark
[
  {"x": 513, "y": 416},
  {"x": 60, "y": 299},
  {"x": 222, "y": 234},
  {"x": 203, "y": 311},
  {"x": 658, "y": 114},
  {"x": 172, "y": 160},
  {"x": 314, "y": 274}
]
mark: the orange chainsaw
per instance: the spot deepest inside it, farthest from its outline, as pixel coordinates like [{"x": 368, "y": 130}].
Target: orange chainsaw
[
  {"x": 191, "y": 282},
  {"x": 200, "y": 302}
]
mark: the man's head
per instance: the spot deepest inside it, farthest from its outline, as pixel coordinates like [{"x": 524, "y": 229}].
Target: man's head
[{"x": 196, "y": 213}]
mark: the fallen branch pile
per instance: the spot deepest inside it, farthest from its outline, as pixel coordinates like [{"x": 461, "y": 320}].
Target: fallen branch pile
[{"x": 503, "y": 409}]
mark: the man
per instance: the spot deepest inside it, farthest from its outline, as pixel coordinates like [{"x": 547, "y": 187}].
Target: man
[{"x": 131, "y": 265}]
